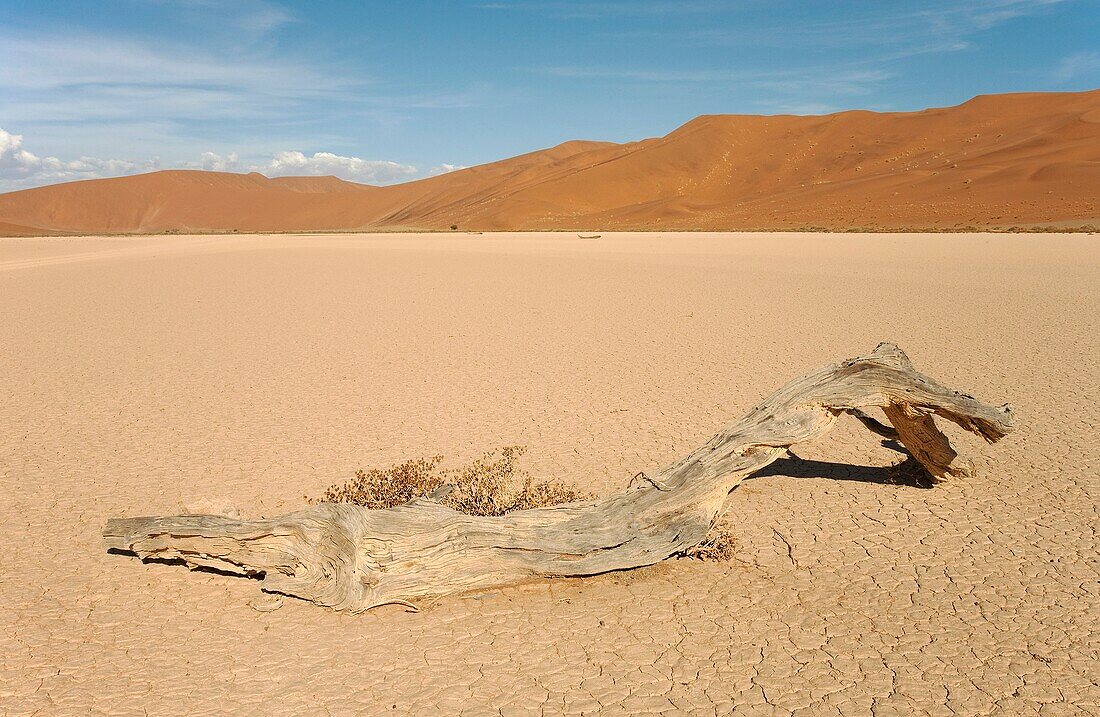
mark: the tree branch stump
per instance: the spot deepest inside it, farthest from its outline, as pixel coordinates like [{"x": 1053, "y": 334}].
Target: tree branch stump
[{"x": 351, "y": 558}]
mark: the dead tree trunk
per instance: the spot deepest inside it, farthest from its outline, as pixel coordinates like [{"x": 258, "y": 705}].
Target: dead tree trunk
[{"x": 350, "y": 558}]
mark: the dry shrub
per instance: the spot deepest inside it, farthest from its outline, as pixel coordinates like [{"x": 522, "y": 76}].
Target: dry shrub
[
  {"x": 490, "y": 485},
  {"x": 719, "y": 544},
  {"x": 385, "y": 488}
]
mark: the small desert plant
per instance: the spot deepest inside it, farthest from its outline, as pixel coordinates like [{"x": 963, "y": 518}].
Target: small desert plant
[
  {"x": 718, "y": 544},
  {"x": 384, "y": 488},
  {"x": 454, "y": 227},
  {"x": 490, "y": 485}
]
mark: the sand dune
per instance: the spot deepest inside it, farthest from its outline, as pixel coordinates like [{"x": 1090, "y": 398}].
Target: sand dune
[{"x": 996, "y": 161}]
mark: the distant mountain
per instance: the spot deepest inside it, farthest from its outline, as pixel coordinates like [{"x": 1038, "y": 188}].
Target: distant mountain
[{"x": 996, "y": 161}]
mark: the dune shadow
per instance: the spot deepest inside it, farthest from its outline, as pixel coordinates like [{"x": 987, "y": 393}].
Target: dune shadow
[{"x": 907, "y": 473}]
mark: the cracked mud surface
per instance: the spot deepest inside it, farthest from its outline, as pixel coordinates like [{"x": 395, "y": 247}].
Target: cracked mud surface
[{"x": 160, "y": 375}]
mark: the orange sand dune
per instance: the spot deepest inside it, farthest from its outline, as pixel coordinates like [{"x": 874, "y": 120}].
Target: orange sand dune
[{"x": 1012, "y": 160}]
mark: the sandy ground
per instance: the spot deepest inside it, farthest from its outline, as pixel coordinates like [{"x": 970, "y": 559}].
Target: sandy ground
[{"x": 154, "y": 375}]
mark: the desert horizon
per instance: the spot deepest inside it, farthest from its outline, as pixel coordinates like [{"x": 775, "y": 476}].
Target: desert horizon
[{"x": 1021, "y": 161}]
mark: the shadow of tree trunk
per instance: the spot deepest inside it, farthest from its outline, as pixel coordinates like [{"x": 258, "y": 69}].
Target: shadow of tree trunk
[{"x": 909, "y": 472}]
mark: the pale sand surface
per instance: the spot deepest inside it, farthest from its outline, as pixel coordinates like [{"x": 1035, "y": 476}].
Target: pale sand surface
[{"x": 155, "y": 375}]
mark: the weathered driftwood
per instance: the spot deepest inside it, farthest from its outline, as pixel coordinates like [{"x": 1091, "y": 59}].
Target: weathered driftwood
[{"x": 350, "y": 558}]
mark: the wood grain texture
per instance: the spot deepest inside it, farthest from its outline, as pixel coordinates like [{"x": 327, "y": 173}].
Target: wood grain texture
[{"x": 350, "y": 558}]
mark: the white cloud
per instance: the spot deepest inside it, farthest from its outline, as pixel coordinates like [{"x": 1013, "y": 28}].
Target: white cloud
[
  {"x": 987, "y": 13},
  {"x": 604, "y": 73},
  {"x": 444, "y": 169},
  {"x": 13, "y": 158},
  {"x": 845, "y": 83},
  {"x": 212, "y": 162},
  {"x": 65, "y": 76},
  {"x": 886, "y": 35},
  {"x": 21, "y": 169},
  {"x": 915, "y": 28},
  {"x": 244, "y": 20},
  {"x": 1074, "y": 66},
  {"x": 822, "y": 80},
  {"x": 324, "y": 163},
  {"x": 81, "y": 91},
  {"x": 70, "y": 77},
  {"x": 594, "y": 10}
]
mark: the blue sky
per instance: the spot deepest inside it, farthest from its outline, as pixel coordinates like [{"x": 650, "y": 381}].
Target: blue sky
[{"x": 389, "y": 91}]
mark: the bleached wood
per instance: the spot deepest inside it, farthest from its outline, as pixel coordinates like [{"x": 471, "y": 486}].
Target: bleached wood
[{"x": 350, "y": 558}]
